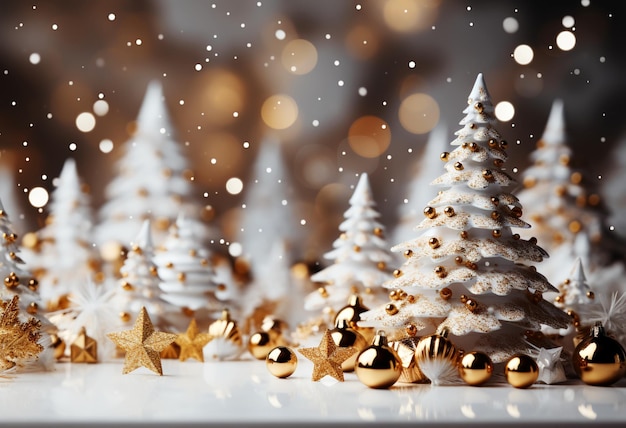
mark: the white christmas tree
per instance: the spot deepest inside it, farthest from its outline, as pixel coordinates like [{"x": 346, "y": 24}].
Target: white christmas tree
[
  {"x": 467, "y": 269},
  {"x": 418, "y": 189},
  {"x": 151, "y": 181},
  {"x": 574, "y": 291},
  {"x": 66, "y": 255},
  {"x": 187, "y": 277},
  {"x": 19, "y": 282},
  {"x": 360, "y": 256},
  {"x": 139, "y": 286},
  {"x": 566, "y": 218}
]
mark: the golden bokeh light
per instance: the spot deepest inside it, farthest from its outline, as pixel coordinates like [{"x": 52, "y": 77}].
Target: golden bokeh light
[
  {"x": 369, "y": 136},
  {"x": 362, "y": 42},
  {"x": 299, "y": 56},
  {"x": 223, "y": 94},
  {"x": 409, "y": 15},
  {"x": 279, "y": 111},
  {"x": 419, "y": 113}
]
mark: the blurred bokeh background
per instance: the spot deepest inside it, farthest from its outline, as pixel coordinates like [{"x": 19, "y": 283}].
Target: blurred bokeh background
[{"x": 345, "y": 86}]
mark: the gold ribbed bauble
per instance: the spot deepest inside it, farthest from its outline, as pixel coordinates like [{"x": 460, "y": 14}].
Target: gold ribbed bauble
[
  {"x": 260, "y": 344},
  {"x": 521, "y": 371},
  {"x": 405, "y": 348},
  {"x": 436, "y": 357},
  {"x": 378, "y": 366},
  {"x": 345, "y": 337},
  {"x": 599, "y": 359},
  {"x": 281, "y": 362},
  {"x": 475, "y": 368}
]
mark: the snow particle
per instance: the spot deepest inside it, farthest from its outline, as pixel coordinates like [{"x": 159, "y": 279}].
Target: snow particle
[
  {"x": 198, "y": 67},
  {"x": 340, "y": 83},
  {"x": 504, "y": 111},
  {"x": 303, "y": 222},
  {"x": 315, "y": 123},
  {"x": 412, "y": 64},
  {"x": 38, "y": 197},
  {"x": 568, "y": 21},
  {"x": 34, "y": 58},
  {"x": 235, "y": 249},
  {"x": 73, "y": 147},
  {"x": 523, "y": 54},
  {"x": 55, "y": 27},
  {"x": 510, "y": 25},
  {"x": 280, "y": 34},
  {"x": 138, "y": 42},
  {"x": 566, "y": 40},
  {"x": 585, "y": 3},
  {"x": 362, "y": 91},
  {"x": 234, "y": 185},
  {"x": 106, "y": 146},
  {"x": 111, "y": 17},
  {"x": 85, "y": 122},
  {"x": 101, "y": 108}
]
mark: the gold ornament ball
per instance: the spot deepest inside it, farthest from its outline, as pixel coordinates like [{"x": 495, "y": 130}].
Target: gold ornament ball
[
  {"x": 378, "y": 366},
  {"x": 475, "y": 368},
  {"x": 281, "y": 362},
  {"x": 599, "y": 359},
  {"x": 58, "y": 345},
  {"x": 521, "y": 371},
  {"x": 260, "y": 344},
  {"x": 345, "y": 337}
]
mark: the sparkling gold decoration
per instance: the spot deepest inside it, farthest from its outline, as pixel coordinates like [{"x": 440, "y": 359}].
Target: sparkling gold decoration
[
  {"x": 11, "y": 281},
  {"x": 434, "y": 243},
  {"x": 191, "y": 342},
  {"x": 436, "y": 356},
  {"x": 444, "y": 156},
  {"x": 281, "y": 362},
  {"x": 464, "y": 234},
  {"x": 440, "y": 271},
  {"x": 327, "y": 358},
  {"x": 475, "y": 368},
  {"x": 405, "y": 348},
  {"x": 33, "y": 284},
  {"x": 458, "y": 166},
  {"x": 521, "y": 371},
  {"x": 84, "y": 349},
  {"x": 471, "y": 304},
  {"x": 344, "y": 337},
  {"x": 449, "y": 211},
  {"x": 504, "y": 145},
  {"x": 408, "y": 253},
  {"x": 142, "y": 344},
  {"x": 479, "y": 107},
  {"x": 488, "y": 175},
  {"x": 599, "y": 359},
  {"x": 58, "y": 345},
  {"x": 378, "y": 366},
  {"x": 172, "y": 352},
  {"x": 391, "y": 309},
  {"x": 260, "y": 344},
  {"x": 445, "y": 293},
  {"x": 378, "y": 231},
  {"x": 225, "y": 339},
  {"x": 430, "y": 212},
  {"x": 496, "y": 233},
  {"x": 18, "y": 340},
  {"x": 125, "y": 317},
  {"x": 351, "y": 312}
]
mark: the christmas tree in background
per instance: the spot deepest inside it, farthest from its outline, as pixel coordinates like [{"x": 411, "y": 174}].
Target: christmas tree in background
[
  {"x": 19, "y": 282},
  {"x": 360, "y": 257},
  {"x": 418, "y": 189},
  {"x": 139, "y": 286},
  {"x": 65, "y": 256},
  {"x": 466, "y": 268},
  {"x": 567, "y": 219},
  {"x": 187, "y": 277},
  {"x": 152, "y": 180}
]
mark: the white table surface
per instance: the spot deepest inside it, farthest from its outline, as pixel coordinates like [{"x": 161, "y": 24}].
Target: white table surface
[{"x": 244, "y": 392}]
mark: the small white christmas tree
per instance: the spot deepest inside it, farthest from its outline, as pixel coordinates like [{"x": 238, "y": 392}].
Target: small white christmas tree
[
  {"x": 418, "y": 189},
  {"x": 66, "y": 255},
  {"x": 467, "y": 269},
  {"x": 151, "y": 181},
  {"x": 139, "y": 286},
  {"x": 360, "y": 257},
  {"x": 187, "y": 277}
]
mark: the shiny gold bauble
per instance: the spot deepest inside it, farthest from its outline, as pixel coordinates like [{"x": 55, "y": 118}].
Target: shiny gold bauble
[
  {"x": 475, "y": 368},
  {"x": 599, "y": 359},
  {"x": 521, "y": 371},
  {"x": 378, "y": 366},
  {"x": 436, "y": 357},
  {"x": 58, "y": 345},
  {"x": 405, "y": 348},
  {"x": 352, "y": 311},
  {"x": 260, "y": 344},
  {"x": 281, "y": 362},
  {"x": 345, "y": 337}
]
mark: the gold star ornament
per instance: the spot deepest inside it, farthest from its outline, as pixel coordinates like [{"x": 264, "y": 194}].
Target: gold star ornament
[
  {"x": 142, "y": 344},
  {"x": 191, "y": 342},
  {"x": 327, "y": 358}
]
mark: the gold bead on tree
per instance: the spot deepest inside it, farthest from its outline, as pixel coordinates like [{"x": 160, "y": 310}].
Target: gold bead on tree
[
  {"x": 430, "y": 212},
  {"x": 391, "y": 309},
  {"x": 434, "y": 243}
]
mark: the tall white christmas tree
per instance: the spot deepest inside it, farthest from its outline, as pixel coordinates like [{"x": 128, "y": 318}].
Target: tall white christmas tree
[
  {"x": 418, "y": 191},
  {"x": 360, "y": 257},
  {"x": 466, "y": 272},
  {"x": 139, "y": 286},
  {"x": 567, "y": 219},
  {"x": 151, "y": 181},
  {"x": 66, "y": 256},
  {"x": 18, "y": 281},
  {"x": 187, "y": 277}
]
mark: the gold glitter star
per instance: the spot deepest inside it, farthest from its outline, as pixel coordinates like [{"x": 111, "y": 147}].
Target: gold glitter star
[
  {"x": 142, "y": 344},
  {"x": 327, "y": 358},
  {"x": 191, "y": 342}
]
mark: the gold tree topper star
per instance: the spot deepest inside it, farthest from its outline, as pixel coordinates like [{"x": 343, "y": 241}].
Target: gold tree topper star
[
  {"x": 142, "y": 344},
  {"x": 84, "y": 349},
  {"x": 18, "y": 340},
  {"x": 191, "y": 342},
  {"x": 327, "y": 358}
]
